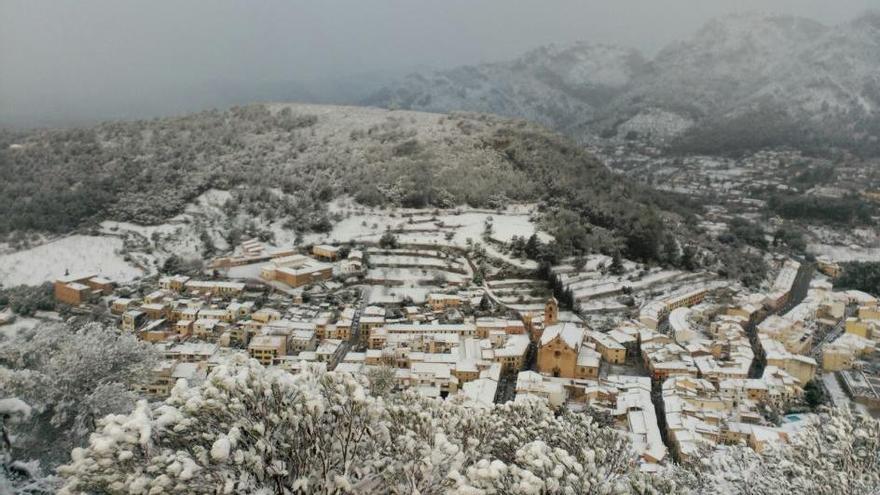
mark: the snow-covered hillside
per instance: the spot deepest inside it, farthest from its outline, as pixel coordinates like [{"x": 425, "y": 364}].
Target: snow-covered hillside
[
  {"x": 819, "y": 83},
  {"x": 556, "y": 86}
]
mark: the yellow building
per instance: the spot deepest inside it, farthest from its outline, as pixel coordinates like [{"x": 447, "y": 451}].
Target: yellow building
[
  {"x": 551, "y": 312},
  {"x": 562, "y": 353},
  {"x": 859, "y": 327},
  {"x": 266, "y": 348},
  {"x": 325, "y": 252},
  {"x": 611, "y": 350},
  {"x": 440, "y": 302},
  {"x": 869, "y": 313}
]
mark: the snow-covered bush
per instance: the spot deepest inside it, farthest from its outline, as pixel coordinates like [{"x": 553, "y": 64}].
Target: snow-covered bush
[
  {"x": 17, "y": 477},
  {"x": 838, "y": 453},
  {"x": 250, "y": 429},
  {"x": 70, "y": 378}
]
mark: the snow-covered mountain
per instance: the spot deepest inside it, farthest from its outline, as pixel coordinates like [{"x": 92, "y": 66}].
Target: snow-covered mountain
[
  {"x": 558, "y": 87},
  {"x": 745, "y": 80}
]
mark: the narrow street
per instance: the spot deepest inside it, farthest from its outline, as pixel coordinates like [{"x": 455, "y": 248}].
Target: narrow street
[{"x": 798, "y": 292}]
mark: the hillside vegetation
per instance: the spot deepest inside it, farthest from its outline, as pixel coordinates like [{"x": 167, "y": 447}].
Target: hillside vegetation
[{"x": 147, "y": 171}]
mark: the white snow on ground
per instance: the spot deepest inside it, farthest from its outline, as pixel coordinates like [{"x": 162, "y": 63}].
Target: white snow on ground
[
  {"x": 838, "y": 396},
  {"x": 411, "y": 275},
  {"x": 423, "y": 226},
  {"x": 845, "y": 253},
  {"x": 21, "y": 323},
  {"x": 74, "y": 254},
  {"x": 389, "y": 295}
]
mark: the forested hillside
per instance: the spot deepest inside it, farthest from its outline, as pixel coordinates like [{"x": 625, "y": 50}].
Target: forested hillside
[{"x": 147, "y": 171}]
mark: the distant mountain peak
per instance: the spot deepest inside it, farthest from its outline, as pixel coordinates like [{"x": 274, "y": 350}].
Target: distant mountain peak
[{"x": 816, "y": 80}]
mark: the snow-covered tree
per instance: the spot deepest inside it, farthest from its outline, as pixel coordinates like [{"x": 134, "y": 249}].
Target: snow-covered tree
[
  {"x": 250, "y": 429},
  {"x": 70, "y": 377},
  {"x": 17, "y": 477},
  {"x": 839, "y": 452}
]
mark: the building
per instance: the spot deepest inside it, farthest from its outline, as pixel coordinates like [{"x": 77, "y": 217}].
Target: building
[
  {"x": 842, "y": 353},
  {"x": 165, "y": 375},
  {"x": 296, "y": 270},
  {"x": 485, "y": 326},
  {"x": 76, "y": 289},
  {"x": 610, "y": 349},
  {"x": 801, "y": 367},
  {"x": 121, "y": 305},
  {"x": 654, "y": 312},
  {"x": 176, "y": 283},
  {"x": 132, "y": 319},
  {"x": 509, "y": 351},
  {"x": 531, "y": 384},
  {"x": 326, "y": 252},
  {"x": 563, "y": 353},
  {"x": 828, "y": 267},
  {"x": 266, "y": 348},
  {"x": 441, "y": 302},
  {"x": 780, "y": 292},
  {"x": 863, "y": 387},
  {"x": 865, "y": 329},
  {"x": 192, "y": 352},
  {"x": 214, "y": 288}
]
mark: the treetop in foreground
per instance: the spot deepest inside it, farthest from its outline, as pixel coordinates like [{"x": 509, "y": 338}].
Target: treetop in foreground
[{"x": 249, "y": 429}]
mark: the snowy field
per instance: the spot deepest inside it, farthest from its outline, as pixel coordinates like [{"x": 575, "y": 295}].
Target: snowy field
[
  {"x": 424, "y": 227},
  {"x": 378, "y": 294},
  {"x": 74, "y": 254},
  {"x": 845, "y": 253},
  {"x": 150, "y": 245},
  {"x": 410, "y": 276}
]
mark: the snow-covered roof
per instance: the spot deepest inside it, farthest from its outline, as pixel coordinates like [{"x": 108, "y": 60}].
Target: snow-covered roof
[{"x": 570, "y": 333}]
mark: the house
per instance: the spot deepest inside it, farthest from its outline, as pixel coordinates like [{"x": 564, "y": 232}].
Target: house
[
  {"x": 121, "y": 305},
  {"x": 302, "y": 340},
  {"x": 215, "y": 288},
  {"x": 531, "y": 384},
  {"x": 610, "y": 349},
  {"x": 440, "y": 302},
  {"x": 76, "y": 289},
  {"x": 296, "y": 270},
  {"x": 326, "y": 252},
  {"x": 132, "y": 319},
  {"x": 192, "y": 352},
  {"x": 266, "y": 348},
  {"x": 155, "y": 311},
  {"x": 828, "y": 266},
  {"x": 165, "y": 375},
  {"x": 176, "y": 283},
  {"x": 205, "y": 329},
  {"x": 486, "y": 325}
]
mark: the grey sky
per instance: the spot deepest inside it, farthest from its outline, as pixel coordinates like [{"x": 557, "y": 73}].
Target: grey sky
[{"x": 72, "y": 60}]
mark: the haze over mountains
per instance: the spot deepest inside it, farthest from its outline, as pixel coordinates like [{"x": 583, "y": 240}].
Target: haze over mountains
[{"x": 748, "y": 80}]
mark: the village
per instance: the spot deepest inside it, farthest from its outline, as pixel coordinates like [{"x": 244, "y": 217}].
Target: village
[
  {"x": 687, "y": 362},
  {"x": 754, "y": 186}
]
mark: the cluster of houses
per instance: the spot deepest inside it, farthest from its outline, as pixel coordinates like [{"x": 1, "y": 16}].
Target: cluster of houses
[
  {"x": 715, "y": 381},
  {"x": 702, "y": 369}
]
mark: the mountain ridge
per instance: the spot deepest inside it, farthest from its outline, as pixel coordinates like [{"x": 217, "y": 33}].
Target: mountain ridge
[{"x": 796, "y": 81}]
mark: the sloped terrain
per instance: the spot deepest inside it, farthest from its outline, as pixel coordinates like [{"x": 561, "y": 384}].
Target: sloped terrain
[
  {"x": 558, "y": 87},
  {"x": 741, "y": 82},
  {"x": 148, "y": 171}
]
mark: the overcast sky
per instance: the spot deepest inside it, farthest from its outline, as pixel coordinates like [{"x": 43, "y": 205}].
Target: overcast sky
[{"x": 77, "y": 60}]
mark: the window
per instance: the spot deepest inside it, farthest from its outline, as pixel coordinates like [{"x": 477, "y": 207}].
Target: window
[{"x": 557, "y": 354}]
